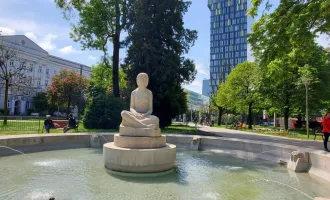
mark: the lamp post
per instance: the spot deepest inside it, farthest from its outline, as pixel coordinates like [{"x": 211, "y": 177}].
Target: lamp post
[{"x": 306, "y": 81}]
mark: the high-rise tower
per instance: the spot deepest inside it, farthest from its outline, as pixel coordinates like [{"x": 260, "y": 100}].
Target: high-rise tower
[{"x": 228, "y": 42}]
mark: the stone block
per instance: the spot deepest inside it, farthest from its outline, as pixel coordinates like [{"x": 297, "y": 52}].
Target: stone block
[
  {"x": 139, "y": 160},
  {"x": 317, "y": 160},
  {"x": 139, "y": 132},
  {"x": 299, "y": 161},
  {"x": 139, "y": 142}
]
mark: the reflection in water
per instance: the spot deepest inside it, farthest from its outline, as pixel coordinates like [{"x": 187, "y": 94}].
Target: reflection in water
[{"x": 80, "y": 174}]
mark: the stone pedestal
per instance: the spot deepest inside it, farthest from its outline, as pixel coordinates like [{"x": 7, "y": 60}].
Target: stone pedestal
[
  {"x": 299, "y": 161},
  {"x": 139, "y": 150}
]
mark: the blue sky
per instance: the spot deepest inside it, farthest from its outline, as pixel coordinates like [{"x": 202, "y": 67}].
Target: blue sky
[{"x": 42, "y": 22}]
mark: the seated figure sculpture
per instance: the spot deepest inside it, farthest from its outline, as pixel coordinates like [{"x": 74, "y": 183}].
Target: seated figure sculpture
[{"x": 140, "y": 112}]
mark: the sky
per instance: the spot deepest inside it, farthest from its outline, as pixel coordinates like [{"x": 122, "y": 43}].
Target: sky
[{"x": 43, "y": 22}]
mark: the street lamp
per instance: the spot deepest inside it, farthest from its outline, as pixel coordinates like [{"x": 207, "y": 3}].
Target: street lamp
[{"x": 306, "y": 81}]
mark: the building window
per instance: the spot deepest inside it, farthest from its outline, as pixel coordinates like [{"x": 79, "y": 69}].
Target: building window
[
  {"x": 11, "y": 62},
  {"x": 47, "y": 71},
  {"x": 38, "y": 82},
  {"x": 27, "y": 105},
  {"x": 31, "y": 68},
  {"x": 8, "y": 104},
  {"x": 46, "y": 82},
  {"x": 40, "y": 69}
]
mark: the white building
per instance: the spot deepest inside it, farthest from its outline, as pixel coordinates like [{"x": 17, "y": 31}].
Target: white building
[{"x": 41, "y": 68}]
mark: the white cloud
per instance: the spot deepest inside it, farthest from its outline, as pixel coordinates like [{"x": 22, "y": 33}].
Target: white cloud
[
  {"x": 69, "y": 50},
  {"x": 7, "y": 31},
  {"x": 47, "y": 42},
  {"x": 31, "y": 35},
  {"x": 323, "y": 40},
  {"x": 197, "y": 83},
  {"x": 195, "y": 86},
  {"x": 91, "y": 58},
  {"x": 201, "y": 69}
]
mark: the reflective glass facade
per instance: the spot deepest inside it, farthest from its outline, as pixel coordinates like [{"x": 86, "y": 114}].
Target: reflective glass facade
[{"x": 228, "y": 43}]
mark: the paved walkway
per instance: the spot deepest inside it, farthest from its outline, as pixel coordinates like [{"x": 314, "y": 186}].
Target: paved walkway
[{"x": 223, "y": 132}]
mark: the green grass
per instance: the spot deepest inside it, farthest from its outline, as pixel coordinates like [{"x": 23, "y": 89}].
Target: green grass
[
  {"x": 173, "y": 129},
  {"x": 276, "y": 131}
]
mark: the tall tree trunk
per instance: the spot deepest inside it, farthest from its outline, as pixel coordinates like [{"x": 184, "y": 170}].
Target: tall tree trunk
[
  {"x": 220, "y": 112},
  {"x": 115, "y": 55},
  {"x": 286, "y": 118},
  {"x": 250, "y": 116},
  {"x": 68, "y": 109},
  {"x": 6, "y": 103}
]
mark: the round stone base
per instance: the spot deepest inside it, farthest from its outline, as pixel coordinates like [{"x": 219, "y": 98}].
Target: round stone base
[
  {"x": 139, "y": 142},
  {"x": 139, "y": 160}
]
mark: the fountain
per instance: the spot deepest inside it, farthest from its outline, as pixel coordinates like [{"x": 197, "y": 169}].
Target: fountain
[{"x": 139, "y": 147}]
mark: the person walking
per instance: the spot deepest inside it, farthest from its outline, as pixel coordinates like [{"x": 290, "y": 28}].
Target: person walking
[
  {"x": 326, "y": 130},
  {"x": 71, "y": 124}
]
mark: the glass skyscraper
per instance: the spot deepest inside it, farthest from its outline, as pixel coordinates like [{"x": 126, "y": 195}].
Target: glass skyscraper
[{"x": 228, "y": 43}]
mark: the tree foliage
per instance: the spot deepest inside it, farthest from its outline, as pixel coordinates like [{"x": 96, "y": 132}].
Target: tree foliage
[
  {"x": 101, "y": 76},
  {"x": 157, "y": 42},
  {"x": 243, "y": 88},
  {"x": 283, "y": 42},
  {"x": 102, "y": 110},
  {"x": 99, "y": 22},
  {"x": 67, "y": 88}
]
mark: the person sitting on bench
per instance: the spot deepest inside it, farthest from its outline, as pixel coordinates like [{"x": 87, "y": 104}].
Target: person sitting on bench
[
  {"x": 71, "y": 124},
  {"x": 48, "y": 123}
]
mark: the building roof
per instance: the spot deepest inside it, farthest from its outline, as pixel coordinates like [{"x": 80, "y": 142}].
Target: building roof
[{"x": 24, "y": 43}]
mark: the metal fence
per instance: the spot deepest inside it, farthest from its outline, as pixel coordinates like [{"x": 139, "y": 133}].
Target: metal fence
[{"x": 21, "y": 123}]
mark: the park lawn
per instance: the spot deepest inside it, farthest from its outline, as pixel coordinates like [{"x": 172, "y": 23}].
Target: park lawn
[
  {"x": 173, "y": 129},
  {"x": 272, "y": 131}
]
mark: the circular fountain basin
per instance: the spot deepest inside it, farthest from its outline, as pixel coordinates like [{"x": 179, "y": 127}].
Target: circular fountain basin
[
  {"x": 80, "y": 174},
  {"x": 139, "y": 160}
]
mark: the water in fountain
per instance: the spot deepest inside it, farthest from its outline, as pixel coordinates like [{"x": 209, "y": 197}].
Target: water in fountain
[
  {"x": 99, "y": 135},
  {"x": 79, "y": 174},
  {"x": 193, "y": 144}
]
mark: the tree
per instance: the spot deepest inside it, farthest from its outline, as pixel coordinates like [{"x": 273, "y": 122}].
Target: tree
[
  {"x": 242, "y": 88},
  {"x": 220, "y": 100},
  {"x": 13, "y": 76},
  {"x": 283, "y": 42},
  {"x": 101, "y": 76},
  {"x": 102, "y": 110},
  {"x": 157, "y": 41},
  {"x": 99, "y": 22},
  {"x": 40, "y": 103},
  {"x": 67, "y": 88}
]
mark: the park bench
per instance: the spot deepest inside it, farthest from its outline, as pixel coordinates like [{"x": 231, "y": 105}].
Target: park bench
[
  {"x": 60, "y": 124},
  {"x": 318, "y": 132}
]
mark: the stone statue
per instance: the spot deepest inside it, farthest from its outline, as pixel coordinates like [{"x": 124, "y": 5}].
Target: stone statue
[{"x": 139, "y": 115}]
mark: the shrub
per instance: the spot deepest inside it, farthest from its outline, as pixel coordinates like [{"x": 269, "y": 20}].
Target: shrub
[{"x": 103, "y": 111}]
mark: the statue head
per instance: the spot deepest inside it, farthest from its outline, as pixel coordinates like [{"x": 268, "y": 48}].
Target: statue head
[{"x": 142, "y": 80}]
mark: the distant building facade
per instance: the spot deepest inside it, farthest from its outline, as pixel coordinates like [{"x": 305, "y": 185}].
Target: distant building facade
[
  {"x": 41, "y": 67},
  {"x": 206, "y": 91},
  {"x": 197, "y": 101},
  {"x": 229, "y": 26}
]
